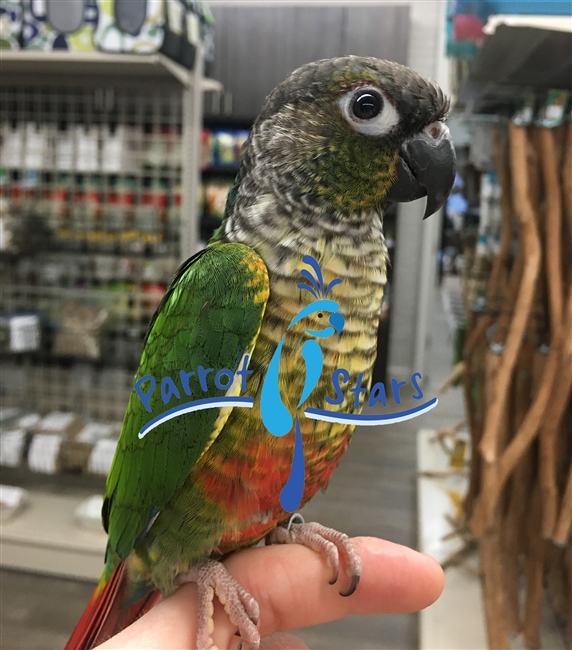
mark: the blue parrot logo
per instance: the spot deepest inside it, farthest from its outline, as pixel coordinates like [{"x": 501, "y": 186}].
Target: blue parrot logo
[{"x": 275, "y": 415}]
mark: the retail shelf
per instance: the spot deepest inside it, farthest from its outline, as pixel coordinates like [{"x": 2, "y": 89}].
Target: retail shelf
[
  {"x": 152, "y": 67},
  {"x": 456, "y": 621},
  {"x": 517, "y": 57},
  {"x": 45, "y": 538}
]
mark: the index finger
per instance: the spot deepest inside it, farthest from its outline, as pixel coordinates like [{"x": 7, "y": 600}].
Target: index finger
[{"x": 291, "y": 584}]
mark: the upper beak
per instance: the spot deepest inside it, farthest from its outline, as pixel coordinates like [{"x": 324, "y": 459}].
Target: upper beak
[{"x": 426, "y": 167}]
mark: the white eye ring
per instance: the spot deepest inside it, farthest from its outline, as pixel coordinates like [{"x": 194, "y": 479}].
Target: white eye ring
[{"x": 382, "y": 123}]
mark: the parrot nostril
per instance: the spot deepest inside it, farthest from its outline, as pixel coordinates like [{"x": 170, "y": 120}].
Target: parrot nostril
[{"x": 434, "y": 130}]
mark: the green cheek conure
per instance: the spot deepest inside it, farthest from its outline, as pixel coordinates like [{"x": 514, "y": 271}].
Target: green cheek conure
[{"x": 334, "y": 144}]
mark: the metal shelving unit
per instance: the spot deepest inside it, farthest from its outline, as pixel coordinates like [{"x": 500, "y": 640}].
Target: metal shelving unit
[{"x": 96, "y": 235}]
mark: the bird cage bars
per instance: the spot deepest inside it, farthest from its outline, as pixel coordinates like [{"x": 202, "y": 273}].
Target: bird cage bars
[{"x": 90, "y": 202}]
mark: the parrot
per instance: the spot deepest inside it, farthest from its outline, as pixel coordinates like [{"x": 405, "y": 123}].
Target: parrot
[{"x": 334, "y": 144}]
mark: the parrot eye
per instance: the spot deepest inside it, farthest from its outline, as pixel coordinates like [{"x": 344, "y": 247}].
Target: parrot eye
[
  {"x": 320, "y": 315},
  {"x": 368, "y": 111},
  {"x": 367, "y": 105}
]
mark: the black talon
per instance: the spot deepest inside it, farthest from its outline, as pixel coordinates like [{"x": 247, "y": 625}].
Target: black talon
[
  {"x": 334, "y": 579},
  {"x": 239, "y": 646},
  {"x": 353, "y": 586}
]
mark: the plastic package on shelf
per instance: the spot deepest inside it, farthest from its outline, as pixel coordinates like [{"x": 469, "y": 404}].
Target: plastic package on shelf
[
  {"x": 120, "y": 149},
  {"x": 101, "y": 456},
  {"x": 10, "y": 24},
  {"x": 80, "y": 330},
  {"x": 88, "y": 513},
  {"x": 146, "y": 27},
  {"x": 56, "y": 25},
  {"x": 215, "y": 194},
  {"x": 12, "y": 145},
  {"x": 44, "y": 452},
  {"x": 20, "y": 332},
  {"x": 68, "y": 424},
  {"x": 12, "y": 500},
  {"x": 12, "y": 445},
  {"x": 63, "y": 442}
]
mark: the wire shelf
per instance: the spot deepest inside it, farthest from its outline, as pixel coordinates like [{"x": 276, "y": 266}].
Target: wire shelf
[{"x": 90, "y": 208}]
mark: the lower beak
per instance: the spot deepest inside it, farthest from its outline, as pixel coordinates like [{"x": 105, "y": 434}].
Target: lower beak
[{"x": 426, "y": 167}]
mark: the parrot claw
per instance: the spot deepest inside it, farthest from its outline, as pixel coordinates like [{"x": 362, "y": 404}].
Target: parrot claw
[
  {"x": 212, "y": 580},
  {"x": 328, "y": 542}
]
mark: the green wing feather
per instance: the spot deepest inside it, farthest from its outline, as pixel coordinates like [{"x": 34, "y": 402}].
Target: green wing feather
[{"x": 209, "y": 317}]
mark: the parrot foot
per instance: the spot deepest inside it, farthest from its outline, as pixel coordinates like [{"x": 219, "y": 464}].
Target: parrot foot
[
  {"x": 326, "y": 541},
  {"x": 212, "y": 580}
]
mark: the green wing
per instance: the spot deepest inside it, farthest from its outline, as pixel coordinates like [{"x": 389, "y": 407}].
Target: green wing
[{"x": 209, "y": 317}]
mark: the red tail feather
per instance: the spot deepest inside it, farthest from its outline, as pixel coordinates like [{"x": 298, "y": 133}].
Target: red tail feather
[{"x": 103, "y": 617}]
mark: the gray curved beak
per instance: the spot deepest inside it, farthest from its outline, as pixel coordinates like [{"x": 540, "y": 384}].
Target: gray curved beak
[{"x": 426, "y": 167}]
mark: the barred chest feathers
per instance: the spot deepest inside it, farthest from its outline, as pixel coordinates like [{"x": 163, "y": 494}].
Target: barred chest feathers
[{"x": 350, "y": 248}]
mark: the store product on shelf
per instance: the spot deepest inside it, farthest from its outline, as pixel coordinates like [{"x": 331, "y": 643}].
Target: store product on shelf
[
  {"x": 222, "y": 147},
  {"x": 12, "y": 139},
  {"x": 161, "y": 148},
  {"x": 12, "y": 444},
  {"x": 53, "y": 25},
  {"x": 29, "y": 421},
  {"x": 120, "y": 149},
  {"x": 215, "y": 194},
  {"x": 10, "y": 24},
  {"x": 130, "y": 26},
  {"x": 167, "y": 26},
  {"x": 12, "y": 500},
  {"x": 94, "y": 431},
  {"x": 8, "y": 416},
  {"x": 192, "y": 29},
  {"x": 207, "y": 31},
  {"x": 88, "y": 513},
  {"x": 79, "y": 332},
  {"x": 87, "y": 148},
  {"x": 173, "y": 228},
  {"x": 43, "y": 454},
  {"x": 86, "y": 215},
  {"x": 74, "y": 455},
  {"x": 20, "y": 332},
  {"x": 172, "y": 27},
  {"x": 65, "y": 149},
  {"x": 118, "y": 216},
  {"x": 58, "y": 212},
  {"x": 151, "y": 218},
  {"x": 68, "y": 424},
  {"x": 37, "y": 146},
  {"x": 101, "y": 456}
]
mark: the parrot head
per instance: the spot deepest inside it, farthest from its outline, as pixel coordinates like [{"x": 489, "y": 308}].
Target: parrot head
[
  {"x": 352, "y": 134},
  {"x": 319, "y": 309}
]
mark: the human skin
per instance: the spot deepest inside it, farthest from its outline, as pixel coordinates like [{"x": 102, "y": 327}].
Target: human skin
[{"x": 291, "y": 584}]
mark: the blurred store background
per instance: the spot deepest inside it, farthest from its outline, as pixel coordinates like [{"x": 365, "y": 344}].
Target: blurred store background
[{"x": 121, "y": 126}]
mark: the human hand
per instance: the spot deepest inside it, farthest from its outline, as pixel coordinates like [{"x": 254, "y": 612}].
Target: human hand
[{"x": 291, "y": 584}]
